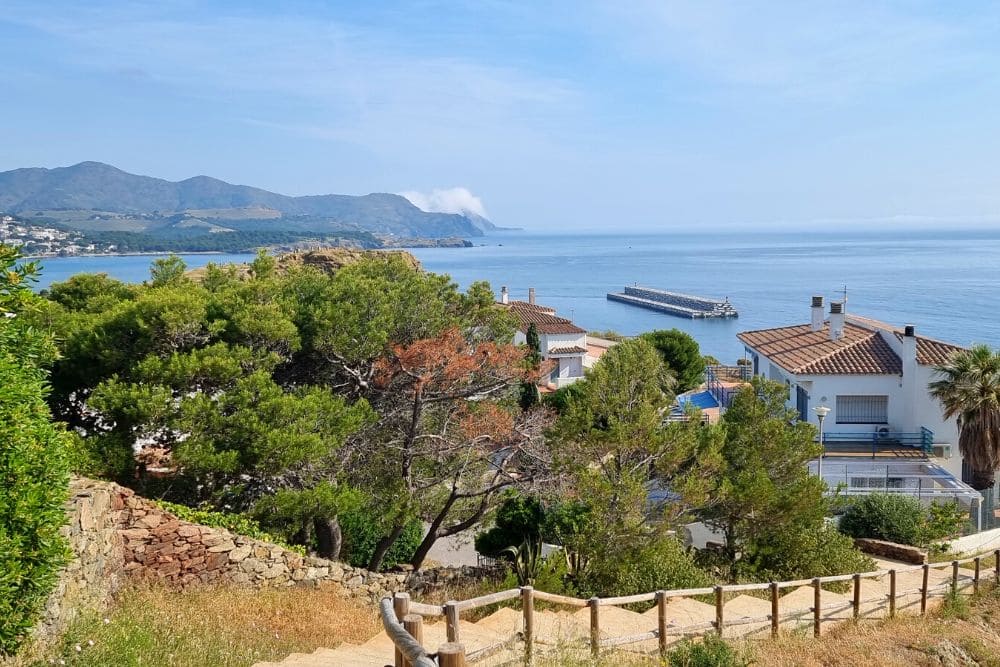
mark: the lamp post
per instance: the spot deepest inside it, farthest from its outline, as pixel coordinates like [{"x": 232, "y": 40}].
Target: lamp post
[{"x": 821, "y": 412}]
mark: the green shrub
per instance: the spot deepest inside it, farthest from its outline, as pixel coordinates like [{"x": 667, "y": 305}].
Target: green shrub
[
  {"x": 902, "y": 519},
  {"x": 711, "y": 651},
  {"x": 34, "y": 464},
  {"x": 560, "y": 399},
  {"x": 663, "y": 564},
  {"x": 553, "y": 577},
  {"x": 804, "y": 553},
  {"x": 239, "y": 524},
  {"x": 518, "y": 518},
  {"x": 362, "y": 529}
]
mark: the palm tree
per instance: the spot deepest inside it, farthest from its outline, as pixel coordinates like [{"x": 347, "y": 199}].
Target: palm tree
[{"x": 969, "y": 389}]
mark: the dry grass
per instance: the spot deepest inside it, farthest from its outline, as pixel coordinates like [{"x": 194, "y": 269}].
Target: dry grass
[
  {"x": 970, "y": 627},
  {"x": 221, "y": 626}
]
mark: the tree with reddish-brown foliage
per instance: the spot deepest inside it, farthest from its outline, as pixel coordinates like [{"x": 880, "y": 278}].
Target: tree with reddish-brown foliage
[{"x": 450, "y": 435}]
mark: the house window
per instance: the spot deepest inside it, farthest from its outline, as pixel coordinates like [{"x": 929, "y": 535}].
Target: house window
[{"x": 862, "y": 409}]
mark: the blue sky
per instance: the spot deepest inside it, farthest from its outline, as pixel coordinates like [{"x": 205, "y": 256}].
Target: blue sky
[{"x": 557, "y": 115}]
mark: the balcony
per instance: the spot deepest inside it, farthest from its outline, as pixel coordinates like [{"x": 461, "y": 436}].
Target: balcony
[
  {"x": 882, "y": 443},
  {"x": 723, "y": 382}
]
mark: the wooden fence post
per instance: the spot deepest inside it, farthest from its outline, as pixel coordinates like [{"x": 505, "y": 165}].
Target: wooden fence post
[
  {"x": 414, "y": 624},
  {"x": 996, "y": 571},
  {"x": 924, "y": 589},
  {"x": 857, "y": 596},
  {"x": 595, "y": 626},
  {"x": 451, "y": 622},
  {"x": 892, "y": 593},
  {"x": 975, "y": 581},
  {"x": 719, "y": 599},
  {"x": 954, "y": 577},
  {"x": 817, "y": 607},
  {"x": 775, "y": 618},
  {"x": 528, "y": 609},
  {"x": 451, "y": 655},
  {"x": 400, "y": 605},
  {"x": 661, "y": 621}
]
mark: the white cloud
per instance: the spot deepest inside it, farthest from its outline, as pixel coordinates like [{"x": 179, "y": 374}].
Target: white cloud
[{"x": 448, "y": 200}]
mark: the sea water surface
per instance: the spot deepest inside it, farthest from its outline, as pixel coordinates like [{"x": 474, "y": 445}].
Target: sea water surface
[{"x": 945, "y": 283}]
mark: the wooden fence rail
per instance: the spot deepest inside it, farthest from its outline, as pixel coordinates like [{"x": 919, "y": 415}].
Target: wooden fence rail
[{"x": 402, "y": 618}]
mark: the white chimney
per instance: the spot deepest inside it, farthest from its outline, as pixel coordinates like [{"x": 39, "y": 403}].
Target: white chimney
[
  {"x": 531, "y": 295},
  {"x": 909, "y": 344},
  {"x": 817, "y": 313},
  {"x": 910, "y": 383},
  {"x": 836, "y": 320},
  {"x": 504, "y": 295}
]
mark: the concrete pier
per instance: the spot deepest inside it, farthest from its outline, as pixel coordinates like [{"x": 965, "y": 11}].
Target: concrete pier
[{"x": 674, "y": 303}]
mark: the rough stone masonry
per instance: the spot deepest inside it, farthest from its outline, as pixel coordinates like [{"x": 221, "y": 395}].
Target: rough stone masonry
[{"x": 117, "y": 536}]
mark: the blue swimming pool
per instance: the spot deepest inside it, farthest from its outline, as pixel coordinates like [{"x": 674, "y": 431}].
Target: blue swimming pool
[{"x": 701, "y": 400}]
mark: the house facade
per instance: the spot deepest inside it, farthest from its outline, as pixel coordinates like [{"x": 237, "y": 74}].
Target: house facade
[
  {"x": 563, "y": 344},
  {"x": 872, "y": 376}
]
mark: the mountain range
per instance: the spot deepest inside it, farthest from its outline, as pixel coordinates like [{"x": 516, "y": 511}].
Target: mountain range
[{"x": 99, "y": 197}]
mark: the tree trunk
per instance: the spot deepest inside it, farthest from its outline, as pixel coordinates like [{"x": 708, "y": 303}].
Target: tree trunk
[
  {"x": 981, "y": 480},
  {"x": 382, "y": 548},
  {"x": 328, "y": 537},
  {"x": 432, "y": 534}
]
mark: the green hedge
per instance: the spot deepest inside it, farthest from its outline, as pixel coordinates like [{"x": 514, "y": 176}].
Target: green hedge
[
  {"x": 902, "y": 519},
  {"x": 34, "y": 473}
]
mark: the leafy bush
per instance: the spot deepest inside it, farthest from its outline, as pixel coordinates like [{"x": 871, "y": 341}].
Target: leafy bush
[
  {"x": 239, "y": 524},
  {"x": 663, "y": 564},
  {"x": 712, "y": 651},
  {"x": 553, "y": 576},
  {"x": 804, "y": 553},
  {"x": 34, "y": 464},
  {"x": 362, "y": 528},
  {"x": 519, "y": 518},
  {"x": 902, "y": 519},
  {"x": 560, "y": 399}
]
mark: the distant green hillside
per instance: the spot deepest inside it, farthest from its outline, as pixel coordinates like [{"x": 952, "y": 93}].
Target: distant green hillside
[{"x": 99, "y": 197}]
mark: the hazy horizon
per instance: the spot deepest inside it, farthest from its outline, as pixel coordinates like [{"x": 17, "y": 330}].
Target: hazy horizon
[{"x": 554, "y": 116}]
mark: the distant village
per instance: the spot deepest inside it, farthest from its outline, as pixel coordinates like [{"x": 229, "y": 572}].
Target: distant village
[{"x": 41, "y": 241}]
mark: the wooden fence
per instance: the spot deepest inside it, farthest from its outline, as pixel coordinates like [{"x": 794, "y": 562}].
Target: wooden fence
[{"x": 403, "y": 618}]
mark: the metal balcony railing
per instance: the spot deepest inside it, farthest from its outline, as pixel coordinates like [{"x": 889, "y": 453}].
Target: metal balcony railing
[{"x": 881, "y": 440}]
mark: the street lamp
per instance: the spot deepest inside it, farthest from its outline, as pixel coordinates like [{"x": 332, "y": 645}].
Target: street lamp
[{"x": 821, "y": 412}]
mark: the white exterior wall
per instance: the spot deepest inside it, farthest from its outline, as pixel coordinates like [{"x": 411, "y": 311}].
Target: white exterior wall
[
  {"x": 550, "y": 341},
  {"x": 828, "y": 387},
  {"x": 571, "y": 367},
  {"x": 910, "y": 406}
]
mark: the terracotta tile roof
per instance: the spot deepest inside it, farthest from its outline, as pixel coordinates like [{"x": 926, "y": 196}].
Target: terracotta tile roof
[
  {"x": 576, "y": 349},
  {"x": 800, "y": 350},
  {"x": 532, "y": 306},
  {"x": 932, "y": 352},
  {"x": 543, "y": 319}
]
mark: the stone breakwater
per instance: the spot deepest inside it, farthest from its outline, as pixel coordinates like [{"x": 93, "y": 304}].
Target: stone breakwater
[{"x": 117, "y": 536}]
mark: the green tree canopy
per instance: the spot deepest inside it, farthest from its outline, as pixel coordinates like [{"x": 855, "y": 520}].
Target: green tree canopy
[
  {"x": 681, "y": 354},
  {"x": 968, "y": 387},
  {"x": 764, "y": 486}
]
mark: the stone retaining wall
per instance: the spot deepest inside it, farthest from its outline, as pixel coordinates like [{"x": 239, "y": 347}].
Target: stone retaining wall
[
  {"x": 118, "y": 536},
  {"x": 902, "y": 552}
]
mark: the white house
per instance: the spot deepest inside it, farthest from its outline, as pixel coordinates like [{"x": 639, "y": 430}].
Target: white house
[
  {"x": 873, "y": 376},
  {"x": 561, "y": 341}
]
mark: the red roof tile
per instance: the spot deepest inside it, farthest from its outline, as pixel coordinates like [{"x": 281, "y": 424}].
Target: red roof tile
[
  {"x": 800, "y": 350},
  {"x": 543, "y": 319},
  {"x": 576, "y": 349}
]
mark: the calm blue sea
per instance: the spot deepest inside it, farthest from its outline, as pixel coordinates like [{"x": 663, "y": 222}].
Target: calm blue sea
[{"x": 945, "y": 283}]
